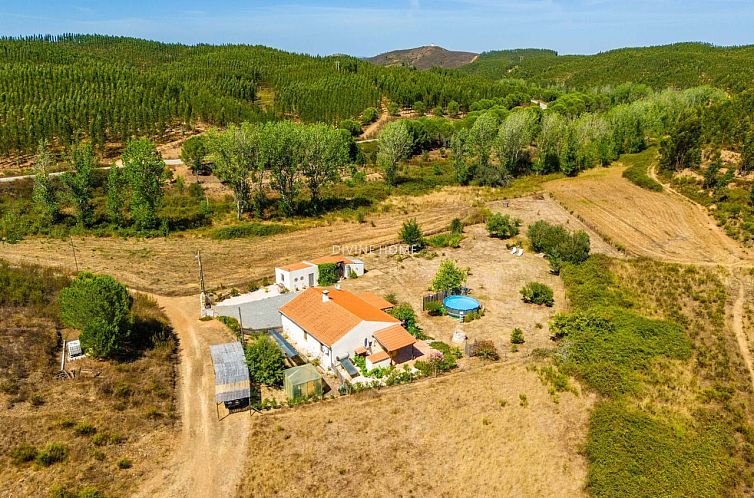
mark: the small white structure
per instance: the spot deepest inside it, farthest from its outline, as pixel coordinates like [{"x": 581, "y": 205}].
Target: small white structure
[
  {"x": 304, "y": 275},
  {"x": 74, "y": 350},
  {"x": 327, "y": 324},
  {"x": 458, "y": 337}
]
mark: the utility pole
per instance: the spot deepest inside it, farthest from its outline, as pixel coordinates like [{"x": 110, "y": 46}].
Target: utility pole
[
  {"x": 203, "y": 296},
  {"x": 73, "y": 248}
]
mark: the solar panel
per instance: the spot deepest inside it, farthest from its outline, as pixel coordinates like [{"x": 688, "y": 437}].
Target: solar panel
[
  {"x": 349, "y": 366},
  {"x": 288, "y": 350}
]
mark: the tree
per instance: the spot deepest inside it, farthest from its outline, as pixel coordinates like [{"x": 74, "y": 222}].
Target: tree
[
  {"x": 419, "y": 107},
  {"x": 351, "y": 126},
  {"x": 100, "y": 307},
  {"x": 481, "y": 138},
  {"x": 395, "y": 144},
  {"x": 79, "y": 182},
  {"x": 281, "y": 143},
  {"x": 265, "y": 362},
  {"x": 411, "y": 234},
  {"x": 193, "y": 152},
  {"x": 710, "y": 174},
  {"x": 327, "y": 274},
  {"x": 458, "y": 152},
  {"x": 116, "y": 196},
  {"x": 747, "y": 153},
  {"x": 43, "y": 193},
  {"x": 537, "y": 293},
  {"x": 549, "y": 143},
  {"x": 452, "y": 109},
  {"x": 238, "y": 161},
  {"x": 324, "y": 152},
  {"x": 569, "y": 153},
  {"x": 682, "y": 148},
  {"x": 503, "y": 226},
  {"x": 448, "y": 277},
  {"x": 393, "y": 108},
  {"x": 145, "y": 173},
  {"x": 369, "y": 115},
  {"x": 512, "y": 143}
]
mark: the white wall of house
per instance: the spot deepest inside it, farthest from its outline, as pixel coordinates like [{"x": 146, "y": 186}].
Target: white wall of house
[
  {"x": 306, "y": 343},
  {"x": 298, "y": 279},
  {"x": 378, "y": 364},
  {"x": 357, "y": 268},
  {"x": 355, "y": 338}
]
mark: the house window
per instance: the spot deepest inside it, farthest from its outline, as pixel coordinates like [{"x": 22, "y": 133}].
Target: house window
[{"x": 306, "y": 336}]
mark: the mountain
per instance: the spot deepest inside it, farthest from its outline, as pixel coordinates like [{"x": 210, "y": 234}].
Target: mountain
[{"x": 424, "y": 58}]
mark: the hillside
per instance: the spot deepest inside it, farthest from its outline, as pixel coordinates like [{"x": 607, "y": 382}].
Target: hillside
[
  {"x": 424, "y": 58},
  {"x": 681, "y": 65}
]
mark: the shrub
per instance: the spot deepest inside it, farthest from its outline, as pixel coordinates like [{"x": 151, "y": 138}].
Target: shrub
[
  {"x": 100, "y": 307},
  {"x": 517, "y": 336},
  {"x": 24, "y": 453},
  {"x": 434, "y": 308},
  {"x": 445, "y": 240},
  {"x": 231, "y": 323},
  {"x": 51, "y": 454},
  {"x": 558, "y": 244},
  {"x": 246, "y": 230},
  {"x": 449, "y": 277},
  {"x": 390, "y": 297},
  {"x": 411, "y": 234},
  {"x": 124, "y": 463},
  {"x": 503, "y": 226},
  {"x": 84, "y": 429},
  {"x": 456, "y": 226},
  {"x": 393, "y": 108},
  {"x": 405, "y": 313},
  {"x": 446, "y": 349},
  {"x": 485, "y": 350},
  {"x": 265, "y": 361},
  {"x": 537, "y": 293},
  {"x": 369, "y": 115},
  {"x": 351, "y": 126},
  {"x": 328, "y": 274}
]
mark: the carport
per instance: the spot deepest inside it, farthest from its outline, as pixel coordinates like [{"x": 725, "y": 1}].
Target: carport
[{"x": 232, "y": 382}]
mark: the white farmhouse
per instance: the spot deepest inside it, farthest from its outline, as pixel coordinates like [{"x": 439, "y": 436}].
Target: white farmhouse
[
  {"x": 333, "y": 324},
  {"x": 303, "y": 275}
]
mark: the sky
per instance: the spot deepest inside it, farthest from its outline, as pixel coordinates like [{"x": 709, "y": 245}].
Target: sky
[{"x": 364, "y": 28}]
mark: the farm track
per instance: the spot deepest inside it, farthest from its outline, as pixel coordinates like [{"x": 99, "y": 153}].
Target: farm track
[
  {"x": 206, "y": 457},
  {"x": 665, "y": 226}
]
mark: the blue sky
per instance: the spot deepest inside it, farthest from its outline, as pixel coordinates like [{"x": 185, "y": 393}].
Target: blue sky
[{"x": 367, "y": 28}]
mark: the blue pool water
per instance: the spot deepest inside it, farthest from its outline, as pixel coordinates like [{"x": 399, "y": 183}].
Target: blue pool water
[{"x": 455, "y": 304}]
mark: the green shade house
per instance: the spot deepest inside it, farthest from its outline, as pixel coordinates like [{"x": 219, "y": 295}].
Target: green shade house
[{"x": 302, "y": 381}]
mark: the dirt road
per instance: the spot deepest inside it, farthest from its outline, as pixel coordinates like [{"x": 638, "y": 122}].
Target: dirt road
[{"x": 208, "y": 458}]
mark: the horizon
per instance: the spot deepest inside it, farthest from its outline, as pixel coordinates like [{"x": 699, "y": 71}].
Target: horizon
[{"x": 326, "y": 27}]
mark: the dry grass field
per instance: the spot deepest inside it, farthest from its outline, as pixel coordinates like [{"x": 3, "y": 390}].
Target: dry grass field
[
  {"x": 463, "y": 434},
  {"x": 653, "y": 224}
]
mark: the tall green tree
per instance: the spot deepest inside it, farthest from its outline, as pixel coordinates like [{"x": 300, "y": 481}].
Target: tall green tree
[
  {"x": 458, "y": 155},
  {"x": 395, "y": 144},
  {"x": 237, "y": 154},
  {"x": 265, "y": 362},
  {"x": 449, "y": 277},
  {"x": 43, "y": 193},
  {"x": 100, "y": 307},
  {"x": 682, "y": 148},
  {"x": 549, "y": 143},
  {"x": 145, "y": 173},
  {"x": 117, "y": 196},
  {"x": 746, "y": 163},
  {"x": 281, "y": 142},
  {"x": 324, "y": 152},
  {"x": 512, "y": 143},
  {"x": 569, "y": 152},
  {"x": 193, "y": 152},
  {"x": 482, "y": 138},
  {"x": 79, "y": 182}
]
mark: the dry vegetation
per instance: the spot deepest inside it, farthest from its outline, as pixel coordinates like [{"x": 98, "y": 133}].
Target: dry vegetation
[
  {"x": 108, "y": 425},
  {"x": 493, "y": 431}
]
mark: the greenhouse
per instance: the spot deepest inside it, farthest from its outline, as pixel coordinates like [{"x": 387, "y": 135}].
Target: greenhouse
[{"x": 302, "y": 382}]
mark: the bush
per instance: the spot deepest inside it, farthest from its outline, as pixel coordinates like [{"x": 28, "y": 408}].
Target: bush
[
  {"x": 100, "y": 307},
  {"x": 265, "y": 361},
  {"x": 558, "y": 244},
  {"x": 231, "y": 323},
  {"x": 24, "y": 453},
  {"x": 369, "y": 115},
  {"x": 351, "y": 126},
  {"x": 411, "y": 234},
  {"x": 124, "y": 463},
  {"x": 517, "y": 336},
  {"x": 445, "y": 240},
  {"x": 84, "y": 429},
  {"x": 485, "y": 350},
  {"x": 51, "y": 454},
  {"x": 456, "y": 226},
  {"x": 503, "y": 226},
  {"x": 448, "y": 277},
  {"x": 328, "y": 274},
  {"x": 434, "y": 308},
  {"x": 390, "y": 298},
  {"x": 446, "y": 349},
  {"x": 393, "y": 109},
  {"x": 246, "y": 230},
  {"x": 537, "y": 293}
]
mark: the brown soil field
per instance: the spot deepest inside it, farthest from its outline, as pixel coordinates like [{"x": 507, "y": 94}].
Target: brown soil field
[
  {"x": 463, "y": 434},
  {"x": 658, "y": 225}
]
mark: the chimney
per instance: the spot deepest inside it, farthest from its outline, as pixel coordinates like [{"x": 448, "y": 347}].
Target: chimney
[
  {"x": 337, "y": 286},
  {"x": 325, "y": 295}
]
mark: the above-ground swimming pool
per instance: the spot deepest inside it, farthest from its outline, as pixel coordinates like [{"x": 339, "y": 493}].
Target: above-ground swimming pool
[{"x": 454, "y": 305}]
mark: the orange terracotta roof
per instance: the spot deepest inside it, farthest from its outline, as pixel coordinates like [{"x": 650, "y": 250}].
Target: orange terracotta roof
[
  {"x": 375, "y": 300},
  {"x": 330, "y": 259},
  {"x": 394, "y": 338},
  {"x": 295, "y": 266},
  {"x": 360, "y": 350},
  {"x": 377, "y": 357},
  {"x": 329, "y": 321}
]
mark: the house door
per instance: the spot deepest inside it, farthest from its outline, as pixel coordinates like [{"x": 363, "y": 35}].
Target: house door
[{"x": 311, "y": 280}]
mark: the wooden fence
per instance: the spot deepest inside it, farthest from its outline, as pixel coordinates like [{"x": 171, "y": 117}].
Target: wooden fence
[{"x": 438, "y": 297}]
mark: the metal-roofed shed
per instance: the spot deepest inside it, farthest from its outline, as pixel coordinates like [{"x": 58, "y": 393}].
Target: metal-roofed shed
[
  {"x": 302, "y": 382},
  {"x": 231, "y": 372}
]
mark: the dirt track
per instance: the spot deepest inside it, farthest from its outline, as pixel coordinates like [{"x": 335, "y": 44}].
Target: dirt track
[{"x": 207, "y": 459}]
